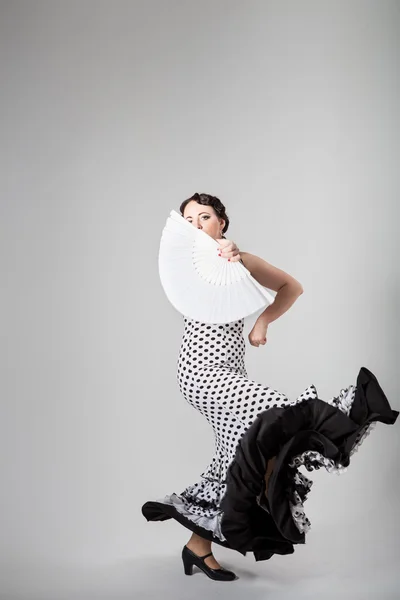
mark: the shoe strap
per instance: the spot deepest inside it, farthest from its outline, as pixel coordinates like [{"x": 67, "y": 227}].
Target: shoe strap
[{"x": 205, "y": 556}]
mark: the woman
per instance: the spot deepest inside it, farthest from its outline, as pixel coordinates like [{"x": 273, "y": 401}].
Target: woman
[{"x": 250, "y": 496}]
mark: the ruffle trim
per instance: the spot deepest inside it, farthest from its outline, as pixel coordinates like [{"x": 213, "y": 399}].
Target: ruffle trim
[
  {"x": 308, "y": 432},
  {"x": 212, "y": 524}
]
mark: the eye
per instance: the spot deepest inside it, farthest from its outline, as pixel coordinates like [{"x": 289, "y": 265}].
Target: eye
[{"x": 205, "y": 216}]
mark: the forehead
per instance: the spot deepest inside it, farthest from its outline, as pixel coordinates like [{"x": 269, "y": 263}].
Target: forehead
[{"x": 194, "y": 208}]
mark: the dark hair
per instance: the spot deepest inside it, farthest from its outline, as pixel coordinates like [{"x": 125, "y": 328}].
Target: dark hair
[{"x": 208, "y": 200}]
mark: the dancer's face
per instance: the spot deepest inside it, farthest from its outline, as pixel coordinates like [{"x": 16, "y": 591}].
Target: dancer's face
[{"x": 205, "y": 218}]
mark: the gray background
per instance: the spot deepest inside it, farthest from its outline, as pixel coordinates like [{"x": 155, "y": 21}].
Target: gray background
[{"x": 112, "y": 113}]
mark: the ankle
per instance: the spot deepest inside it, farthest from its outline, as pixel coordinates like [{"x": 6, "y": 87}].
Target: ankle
[{"x": 199, "y": 547}]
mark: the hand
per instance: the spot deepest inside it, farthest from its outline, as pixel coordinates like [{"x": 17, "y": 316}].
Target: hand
[
  {"x": 258, "y": 335},
  {"x": 228, "y": 250}
]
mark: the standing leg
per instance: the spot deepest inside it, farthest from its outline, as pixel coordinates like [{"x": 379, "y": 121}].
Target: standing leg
[{"x": 201, "y": 546}]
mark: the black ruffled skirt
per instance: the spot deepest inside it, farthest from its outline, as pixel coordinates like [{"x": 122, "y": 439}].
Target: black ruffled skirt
[{"x": 259, "y": 520}]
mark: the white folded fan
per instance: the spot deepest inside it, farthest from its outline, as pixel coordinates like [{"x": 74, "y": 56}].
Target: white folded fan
[{"x": 200, "y": 284}]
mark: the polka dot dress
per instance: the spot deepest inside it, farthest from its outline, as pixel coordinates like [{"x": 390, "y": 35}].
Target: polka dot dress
[{"x": 212, "y": 378}]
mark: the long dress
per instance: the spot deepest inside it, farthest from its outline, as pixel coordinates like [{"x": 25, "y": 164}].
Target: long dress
[{"x": 231, "y": 504}]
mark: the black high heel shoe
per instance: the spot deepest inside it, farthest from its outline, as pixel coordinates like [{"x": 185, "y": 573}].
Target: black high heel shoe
[{"x": 190, "y": 558}]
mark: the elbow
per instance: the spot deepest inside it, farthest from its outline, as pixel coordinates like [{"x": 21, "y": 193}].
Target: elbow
[{"x": 294, "y": 286}]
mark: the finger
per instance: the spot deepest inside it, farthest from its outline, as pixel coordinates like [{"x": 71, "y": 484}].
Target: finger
[
  {"x": 223, "y": 243},
  {"x": 232, "y": 251},
  {"x": 228, "y": 246},
  {"x": 226, "y": 253}
]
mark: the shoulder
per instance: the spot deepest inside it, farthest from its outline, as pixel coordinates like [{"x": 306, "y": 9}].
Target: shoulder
[
  {"x": 253, "y": 262},
  {"x": 267, "y": 274}
]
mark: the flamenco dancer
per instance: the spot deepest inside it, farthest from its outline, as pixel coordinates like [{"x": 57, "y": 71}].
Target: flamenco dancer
[{"x": 250, "y": 496}]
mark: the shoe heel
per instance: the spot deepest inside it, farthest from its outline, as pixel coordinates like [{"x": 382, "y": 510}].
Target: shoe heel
[{"x": 187, "y": 565}]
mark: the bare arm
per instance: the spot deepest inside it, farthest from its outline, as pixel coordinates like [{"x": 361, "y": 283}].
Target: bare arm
[{"x": 287, "y": 287}]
